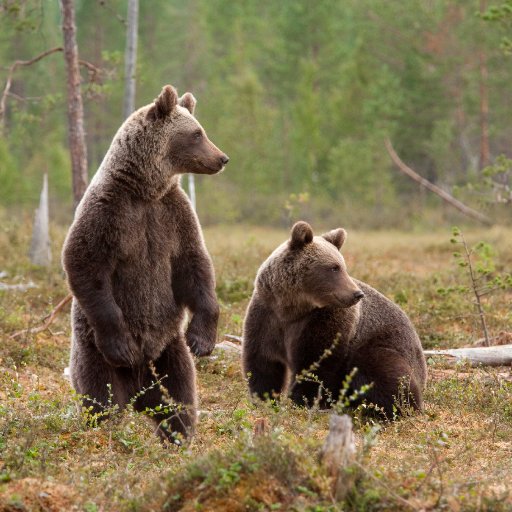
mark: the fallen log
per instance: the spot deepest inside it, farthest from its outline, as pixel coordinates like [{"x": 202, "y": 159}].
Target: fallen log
[
  {"x": 22, "y": 287},
  {"x": 232, "y": 337},
  {"x": 228, "y": 346},
  {"x": 500, "y": 355}
]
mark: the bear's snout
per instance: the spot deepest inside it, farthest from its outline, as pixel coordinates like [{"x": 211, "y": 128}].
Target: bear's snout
[
  {"x": 358, "y": 296},
  {"x": 224, "y": 159}
]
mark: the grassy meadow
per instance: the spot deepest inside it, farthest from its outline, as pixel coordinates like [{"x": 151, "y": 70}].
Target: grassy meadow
[{"x": 457, "y": 456}]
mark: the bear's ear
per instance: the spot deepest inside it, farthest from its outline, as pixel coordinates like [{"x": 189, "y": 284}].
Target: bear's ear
[
  {"x": 302, "y": 234},
  {"x": 188, "y": 101},
  {"x": 336, "y": 237},
  {"x": 164, "y": 104}
]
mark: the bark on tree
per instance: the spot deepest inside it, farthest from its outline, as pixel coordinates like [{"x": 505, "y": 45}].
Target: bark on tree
[
  {"x": 485, "y": 158},
  {"x": 77, "y": 146},
  {"x": 130, "y": 58},
  {"x": 466, "y": 210}
]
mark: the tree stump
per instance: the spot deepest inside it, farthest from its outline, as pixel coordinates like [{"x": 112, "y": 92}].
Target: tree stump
[
  {"x": 40, "y": 252},
  {"x": 338, "y": 455}
]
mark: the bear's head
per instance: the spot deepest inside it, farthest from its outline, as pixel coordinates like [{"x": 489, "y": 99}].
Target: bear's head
[
  {"x": 186, "y": 146},
  {"x": 160, "y": 141},
  {"x": 308, "y": 272}
]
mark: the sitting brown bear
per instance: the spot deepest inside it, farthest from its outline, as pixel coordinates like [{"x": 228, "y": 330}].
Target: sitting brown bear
[
  {"x": 136, "y": 262},
  {"x": 305, "y": 303}
]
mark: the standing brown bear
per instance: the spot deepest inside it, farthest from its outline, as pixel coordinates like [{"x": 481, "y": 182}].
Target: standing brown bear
[
  {"x": 304, "y": 303},
  {"x": 136, "y": 263}
]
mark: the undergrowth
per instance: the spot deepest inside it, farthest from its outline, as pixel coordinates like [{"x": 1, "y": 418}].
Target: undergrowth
[{"x": 456, "y": 456}]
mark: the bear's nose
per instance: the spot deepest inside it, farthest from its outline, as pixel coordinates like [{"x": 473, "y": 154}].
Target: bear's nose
[
  {"x": 224, "y": 159},
  {"x": 358, "y": 295}
]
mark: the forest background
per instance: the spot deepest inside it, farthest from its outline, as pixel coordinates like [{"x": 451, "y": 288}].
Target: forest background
[{"x": 301, "y": 95}]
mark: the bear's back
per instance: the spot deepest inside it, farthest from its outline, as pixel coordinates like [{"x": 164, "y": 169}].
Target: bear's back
[{"x": 384, "y": 324}]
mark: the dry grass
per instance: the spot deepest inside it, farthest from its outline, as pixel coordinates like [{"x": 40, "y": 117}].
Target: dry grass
[{"x": 456, "y": 456}]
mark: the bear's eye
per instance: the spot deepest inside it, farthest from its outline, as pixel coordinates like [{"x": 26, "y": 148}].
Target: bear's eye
[
  {"x": 335, "y": 268},
  {"x": 198, "y": 135}
]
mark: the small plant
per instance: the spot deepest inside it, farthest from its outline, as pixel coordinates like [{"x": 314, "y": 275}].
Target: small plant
[
  {"x": 483, "y": 279},
  {"x": 347, "y": 398}
]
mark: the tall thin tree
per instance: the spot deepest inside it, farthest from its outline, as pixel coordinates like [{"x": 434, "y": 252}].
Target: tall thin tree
[
  {"x": 130, "y": 58},
  {"x": 485, "y": 153},
  {"x": 77, "y": 145}
]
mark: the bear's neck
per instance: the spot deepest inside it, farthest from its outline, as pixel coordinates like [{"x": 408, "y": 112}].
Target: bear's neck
[
  {"x": 138, "y": 178},
  {"x": 294, "y": 309},
  {"x": 291, "y": 309}
]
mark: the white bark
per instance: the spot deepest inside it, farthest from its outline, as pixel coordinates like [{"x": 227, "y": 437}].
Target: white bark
[
  {"x": 40, "y": 250},
  {"x": 130, "y": 58},
  {"x": 487, "y": 356},
  {"x": 192, "y": 190}
]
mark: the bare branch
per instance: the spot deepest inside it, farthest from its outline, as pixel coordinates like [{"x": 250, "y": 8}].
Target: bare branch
[
  {"x": 466, "y": 210},
  {"x": 48, "y": 319},
  {"x": 94, "y": 72},
  {"x": 14, "y": 66}
]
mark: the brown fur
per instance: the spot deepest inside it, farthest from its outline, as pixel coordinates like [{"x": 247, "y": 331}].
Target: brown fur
[
  {"x": 136, "y": 262},
  {"x": 303, "y": 301}
]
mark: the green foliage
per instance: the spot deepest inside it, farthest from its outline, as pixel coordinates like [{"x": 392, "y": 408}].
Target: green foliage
[
  {"x": 479, "y": 269},
  {"x": 300, "y": 95},
  {"x": 501, "y": 13}
]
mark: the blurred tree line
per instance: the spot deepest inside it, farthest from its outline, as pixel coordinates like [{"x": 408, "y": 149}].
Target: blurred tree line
[{"x": 300, "y": 94}]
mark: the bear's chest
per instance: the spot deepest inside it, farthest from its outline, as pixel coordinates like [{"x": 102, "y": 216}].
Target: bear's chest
[{"x": 150, "y": 237}]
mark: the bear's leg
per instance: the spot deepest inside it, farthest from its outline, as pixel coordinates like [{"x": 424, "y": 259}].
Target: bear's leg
[
  {"x": 101, "y": 385},
  {"x": 394, "y": 387},
  {"x": 174, "y": 395},
  {"x": 263, "y": 351},
  {"x": 304, "y": 392},
  {"x": 266, "y": 378}
]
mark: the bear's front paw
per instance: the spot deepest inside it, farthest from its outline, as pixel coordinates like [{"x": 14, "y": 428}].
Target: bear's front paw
[
  {"x": 120, "y": 349},
  {"x": 305, "y": 394},
  {"x": 199, "y": 346},
  {"x": 201, "y": 335}
]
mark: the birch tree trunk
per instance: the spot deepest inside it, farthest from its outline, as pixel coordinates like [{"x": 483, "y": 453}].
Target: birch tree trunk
[
  {"x": 130, "y": 58},
  {"x": 77, "y": 146}
]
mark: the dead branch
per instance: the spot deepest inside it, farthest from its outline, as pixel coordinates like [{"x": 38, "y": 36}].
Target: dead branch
[
  {"x": 94, "y": 72},
  {"x": 48, "y": 319},
  {"x": 14, "y": 66},
  {"x": 466, "y": 210}
]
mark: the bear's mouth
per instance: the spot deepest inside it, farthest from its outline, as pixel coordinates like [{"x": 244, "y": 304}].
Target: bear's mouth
[
  {"x": 346, "y": 303},
  {"x": 210, "y": 170}
]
